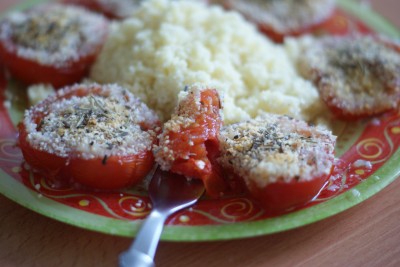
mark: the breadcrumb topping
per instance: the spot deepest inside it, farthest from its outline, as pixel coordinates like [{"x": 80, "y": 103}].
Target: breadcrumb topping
[
  {"x": 53, "y": 34},
  {"x": 356, "y": 73},
  {"x": 284, "y": 15},
  {"x": 273, "y": 147},
  {"x": 107, "y": 122}
]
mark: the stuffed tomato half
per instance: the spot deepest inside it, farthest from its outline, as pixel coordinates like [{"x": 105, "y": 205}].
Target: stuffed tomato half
[
  {"x": 98, "y": 136},
  {"x": 188, "y": 144},
  {"x": 357, "y": 76},
  {"x": 281, "y": 18},
  {"x": 284, "y": 162},
  {"x": 51, "y": 44}
]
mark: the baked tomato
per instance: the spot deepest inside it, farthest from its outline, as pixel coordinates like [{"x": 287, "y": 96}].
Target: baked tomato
[
  {"x": 280, "y": 197},
  {"x": 188, "y": 144},
  {"x": 98, "y": 136},
  {"x": 51, "y": 44},
  {"x": 284, "y": 162},
  {"x": 113, "y": 9},
  {"x": 280, "y": 18},
  {"x": 357, "y": 76}
]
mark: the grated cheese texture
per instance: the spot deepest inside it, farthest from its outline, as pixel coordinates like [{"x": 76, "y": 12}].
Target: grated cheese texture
[
  {"x": 110, "y": 121},
  {"x": 167, "y": 45},
  {"x": 53, "y": 34},
  {"x": 275, "y": 148},
  {"x": 359, "y": 74},
  {"x": 284, "y": 15}
]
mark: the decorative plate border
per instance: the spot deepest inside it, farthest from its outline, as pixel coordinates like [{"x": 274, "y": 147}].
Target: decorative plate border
[{"x": 381, "y": 152}]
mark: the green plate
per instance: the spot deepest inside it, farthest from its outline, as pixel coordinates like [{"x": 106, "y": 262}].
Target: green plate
[{"x": 120, "y": 213}]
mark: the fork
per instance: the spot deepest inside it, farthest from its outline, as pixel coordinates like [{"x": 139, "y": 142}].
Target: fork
[{"x": 168, "y": 193}]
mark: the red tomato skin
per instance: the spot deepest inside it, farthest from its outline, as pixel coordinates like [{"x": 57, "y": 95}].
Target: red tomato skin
[
  {"x": 48, "y": 164},
  {"x": 111, "y": 173},
  {"x": 279, "y": 37},
  {"x": 211, "y": 175},
  {"x": 68, "y": 72},
  {"x": 114, "y": 172},
  {"x": 342, "y": 114},
  {"x": 394, "y": 46},
  {"x": 204, "y": 135},
  {"x": 336, "y": 24},
  {"x": 32, "y": 72},
  {"x": 281, "y": 196},
  {"x": 107, "y": 174}
]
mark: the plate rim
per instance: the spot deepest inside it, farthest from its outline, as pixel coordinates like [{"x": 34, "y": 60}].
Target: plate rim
[
  {"x": 60, "y": 212},
  {"x": 387, "y": 173}
]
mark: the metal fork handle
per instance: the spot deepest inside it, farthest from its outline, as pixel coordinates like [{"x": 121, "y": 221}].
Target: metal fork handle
[{"x": 141, "y": 253}]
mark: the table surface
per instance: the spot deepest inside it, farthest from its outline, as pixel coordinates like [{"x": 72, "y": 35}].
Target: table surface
[{"x": 365, "y": 235}]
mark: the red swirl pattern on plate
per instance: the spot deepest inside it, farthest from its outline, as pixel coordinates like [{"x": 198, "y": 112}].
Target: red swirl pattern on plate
[{"x": 377, "y": 143}]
